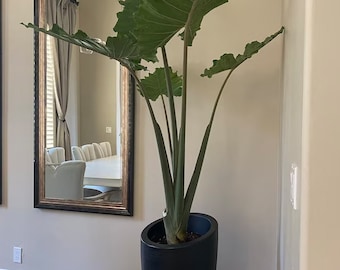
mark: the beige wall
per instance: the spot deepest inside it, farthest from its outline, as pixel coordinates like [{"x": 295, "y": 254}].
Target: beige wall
[
  {"x": 311, "y": 89},
  {"x": 321, "y": 218},
  {"x": 240, "y": 176}
]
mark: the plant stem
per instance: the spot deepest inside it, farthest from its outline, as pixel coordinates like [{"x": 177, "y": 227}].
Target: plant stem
[
  {"x": 167, "y": 125},
  {"x": 198, "y": 167},
  {"x": 167, "y": 177},
  {"x": 179, "y": 185},
  {"x": 172, "y": 112}
]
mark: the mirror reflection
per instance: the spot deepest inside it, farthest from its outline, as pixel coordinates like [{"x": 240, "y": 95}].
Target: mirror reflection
[{"x": 85, "y": 115}]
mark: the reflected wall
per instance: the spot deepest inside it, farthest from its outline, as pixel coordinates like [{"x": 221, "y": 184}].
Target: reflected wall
[{"x": 98, "y": 81}]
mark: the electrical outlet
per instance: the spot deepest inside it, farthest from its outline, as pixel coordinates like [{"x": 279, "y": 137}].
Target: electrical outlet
[{"x": 17, "y": 254}]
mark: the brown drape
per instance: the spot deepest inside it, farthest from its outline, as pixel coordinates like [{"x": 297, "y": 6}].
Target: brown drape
[{"x": 63, "y": 13}]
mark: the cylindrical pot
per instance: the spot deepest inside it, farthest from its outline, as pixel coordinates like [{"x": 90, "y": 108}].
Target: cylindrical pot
[{"x": 198, "y": 254}]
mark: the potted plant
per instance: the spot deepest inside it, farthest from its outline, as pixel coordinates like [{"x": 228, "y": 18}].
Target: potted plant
[{"x": 143, "y": 29}]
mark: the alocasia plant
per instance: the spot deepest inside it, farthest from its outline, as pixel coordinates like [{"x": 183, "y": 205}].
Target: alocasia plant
[{"x": 145, "y": 27}]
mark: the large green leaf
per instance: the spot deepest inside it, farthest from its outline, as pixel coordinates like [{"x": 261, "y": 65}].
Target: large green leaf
[
  {"x": 126, "y": 24},
  {"x": 126, "y": 18},
  {"x": 199, "y": 9},
  {"x": 229, "y": 61},
  {"x": 154, "y": 85},
  {"x": 157, "y": 21},
  {"x": 120, "y": 48}
]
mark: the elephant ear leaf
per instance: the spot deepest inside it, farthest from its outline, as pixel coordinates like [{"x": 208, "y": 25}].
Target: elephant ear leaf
[
  {"x": 126, "y": 18},
  {"x": 155, "y": 85},
  {"x": 121, "y": 48},
  {"x": 198, "y": 11},
  {"x": 156, "y": 22},
  {"x": 229, "y": 61}
]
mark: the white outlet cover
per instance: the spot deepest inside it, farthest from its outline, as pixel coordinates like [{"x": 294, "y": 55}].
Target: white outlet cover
[
  {"x": 294, "y": 186},
  {"x": 17, "y": 254}
]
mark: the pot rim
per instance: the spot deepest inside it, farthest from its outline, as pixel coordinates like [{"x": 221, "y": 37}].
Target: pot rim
[{"x": 146, "y": 240}]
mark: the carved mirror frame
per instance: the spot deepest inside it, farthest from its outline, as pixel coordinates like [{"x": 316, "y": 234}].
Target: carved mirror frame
[{"x": 125, "y": 207}]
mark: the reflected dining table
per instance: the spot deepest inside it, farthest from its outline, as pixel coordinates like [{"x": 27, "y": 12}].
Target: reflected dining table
[{"x": 105, "y": 171}]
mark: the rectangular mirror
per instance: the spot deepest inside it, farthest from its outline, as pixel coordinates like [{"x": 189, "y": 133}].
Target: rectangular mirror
[{"x": 84, "y": 115}]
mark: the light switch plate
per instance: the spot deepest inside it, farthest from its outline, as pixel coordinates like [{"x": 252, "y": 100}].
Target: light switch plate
[
  {"x": 294, "y": 185},
  {"x": 17, "y": 254}
]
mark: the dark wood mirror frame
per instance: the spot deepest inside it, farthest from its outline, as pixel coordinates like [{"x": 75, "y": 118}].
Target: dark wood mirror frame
[
  {"x": 0, "y": 103},
  {"x": 125, "y": 207}
]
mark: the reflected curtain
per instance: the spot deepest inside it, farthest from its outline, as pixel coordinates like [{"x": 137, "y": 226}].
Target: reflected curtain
[{"x": 63, "y": 13}]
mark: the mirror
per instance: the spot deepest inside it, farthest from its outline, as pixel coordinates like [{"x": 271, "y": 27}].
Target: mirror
[{"x": 84, "y": 127}]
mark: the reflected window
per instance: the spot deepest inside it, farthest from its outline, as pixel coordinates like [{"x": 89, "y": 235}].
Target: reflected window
[{"x": 50, "y": 102}]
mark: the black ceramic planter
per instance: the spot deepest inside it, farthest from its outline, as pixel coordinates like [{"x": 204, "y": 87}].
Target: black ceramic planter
[{"x": 199, "y": 254}]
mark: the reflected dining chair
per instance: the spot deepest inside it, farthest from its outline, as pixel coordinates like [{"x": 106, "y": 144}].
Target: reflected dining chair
[
  {"x": 78, "y": 153},
  {"x": 65, "y": 181},
  {"x": 89, "y": 152},
  {"x": 56, "y": 154},
  {"x": 98, "y": 150},
  {"x": 106, "y": 146}
]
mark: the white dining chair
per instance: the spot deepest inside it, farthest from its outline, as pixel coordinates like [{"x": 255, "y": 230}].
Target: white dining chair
[
  {"x": 56, "y": 154},
  {"x": 78, "y": 153},
  {"x": 106, "y": 146},
  {"x": 65, "y": 181},
  {"x": 98, "y": 150},
  {"x": 89, "y": 152}
]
